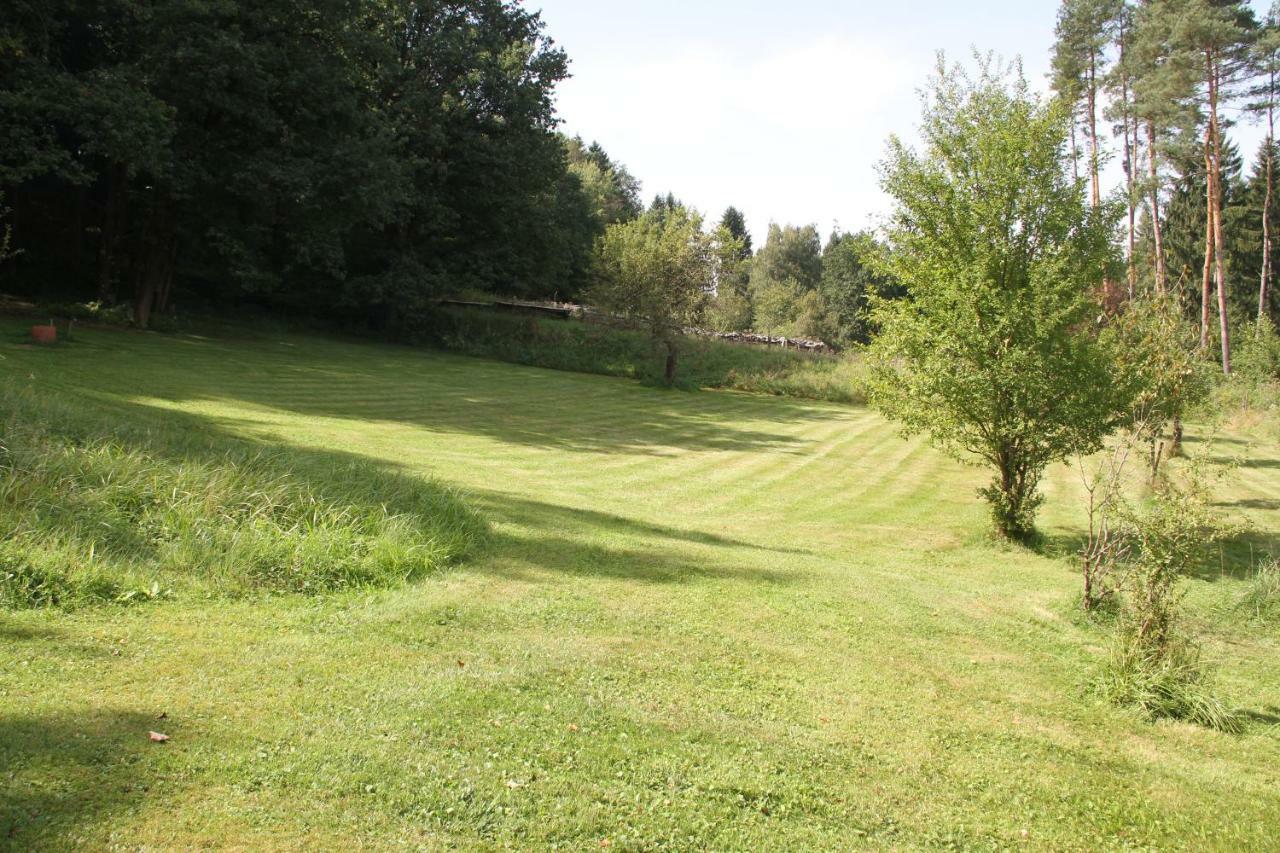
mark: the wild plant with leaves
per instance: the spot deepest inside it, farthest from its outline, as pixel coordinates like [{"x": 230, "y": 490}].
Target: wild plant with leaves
[
  {"x": 659, "y": 272},
  {"x": 1155, "y": 662},
  {"x": 993, "y": 353}
]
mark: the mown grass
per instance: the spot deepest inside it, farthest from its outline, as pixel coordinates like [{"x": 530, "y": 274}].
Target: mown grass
[
  {"x": 710, "y": 620},
  {"x": 703, "y": 362}
]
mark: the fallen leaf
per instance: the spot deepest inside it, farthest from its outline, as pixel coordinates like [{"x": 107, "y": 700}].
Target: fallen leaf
[
  {"x": 157, "y": 737},
  {"x": 460, "y": 663},
  {"x": 163, "y": 715},
  {"x": 572, "y": 727}
]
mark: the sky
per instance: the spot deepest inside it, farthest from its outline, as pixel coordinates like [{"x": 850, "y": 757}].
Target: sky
[{"x": 781, "y": 108}]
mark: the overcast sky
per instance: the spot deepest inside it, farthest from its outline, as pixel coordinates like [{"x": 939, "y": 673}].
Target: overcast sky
[{"x": 780, "y": 108}]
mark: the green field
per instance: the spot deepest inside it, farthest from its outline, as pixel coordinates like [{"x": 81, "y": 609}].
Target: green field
[{"x": 697, "y": 620}]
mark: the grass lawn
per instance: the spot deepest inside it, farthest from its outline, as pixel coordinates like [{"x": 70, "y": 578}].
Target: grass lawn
[{"x": 699, "y": 620}]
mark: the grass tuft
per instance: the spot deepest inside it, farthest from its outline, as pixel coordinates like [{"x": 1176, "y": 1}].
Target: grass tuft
[
  {"x": 90, "y": 514},
  {"x": 1173, "y": 684},
  {"x": 1260, "y": 601}
]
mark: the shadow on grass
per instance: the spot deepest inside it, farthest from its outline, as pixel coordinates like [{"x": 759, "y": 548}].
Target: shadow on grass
[
  {"x": 1238, "y": 558},
  {"x": 1270, "y": 715},
  {"x": 531, "y": 513},
  {"x": 533, "y": 533},
  {"x": 65, "y": 772},
  {"x": 563, "y": 540}
]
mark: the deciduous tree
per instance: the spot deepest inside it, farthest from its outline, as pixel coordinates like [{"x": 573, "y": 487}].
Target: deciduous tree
[{"x": 991, "y": 353}]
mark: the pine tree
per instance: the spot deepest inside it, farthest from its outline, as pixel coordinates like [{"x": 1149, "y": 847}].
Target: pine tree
[
  {"x": 1080, "y": 65},
  {"x": 1266, "y": 93}
]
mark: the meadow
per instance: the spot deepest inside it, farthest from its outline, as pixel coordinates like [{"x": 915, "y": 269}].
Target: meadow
[{"x": 604, "y": 615}]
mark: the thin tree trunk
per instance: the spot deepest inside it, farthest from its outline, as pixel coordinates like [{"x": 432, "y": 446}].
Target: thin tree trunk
[
  {"x": 1219, "y": 242},
  {"x": 1075, "y": 149},
  {"x": 1096, "y": 189},
  {"x": 1157, "y": 231},
  {"x": 669, "y": 374},
  {"x": 1265, "y": 278},
  {"x": 1206, "y": 278},
  {"x": 1130, "y": 170},
  {"x": 155, "y": 271}
]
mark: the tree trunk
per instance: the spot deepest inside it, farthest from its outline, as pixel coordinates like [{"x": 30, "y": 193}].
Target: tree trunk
[
  {"x": 1219, "y": 242},
  {"x": 156, "y": 268},
  {"x": 1157, "y": 233},
  {"x": 113, "y": 213},
  {"x": 669, "y": 374},
  {"x": 1206, "y": 278},
  {"x": 1265, "y": 278},
  {"x": 1075, "y": 148},
  {"x": 1130, "y": 164},
  {"x": 1096, "y": 189}
]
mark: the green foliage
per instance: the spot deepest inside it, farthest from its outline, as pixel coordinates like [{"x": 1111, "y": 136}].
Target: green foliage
[
  {"x": 791, "y": 253},
  {"x": 94, "y": 512},
  {"x": 1154, "y": 664},
  {"x": 852, "y": 276},
  {"x": 659, "y": 271},
  {"x": 775, "y": 305},
  {"x": 294, "y": 156},
  {"x": 1157, "y": 372},
  {"x": 991, "y": 353},
  {"x": 729, "y": 311},
  {"x": 6, "y": 233},
  {"x": 1257, "y": 355}
]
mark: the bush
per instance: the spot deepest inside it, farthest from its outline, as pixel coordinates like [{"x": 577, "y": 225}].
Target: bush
[
  {"x": 1257, "y": 354},
  {"x": 1154, "y": 664},
  {"x": 92, "y": 513}
]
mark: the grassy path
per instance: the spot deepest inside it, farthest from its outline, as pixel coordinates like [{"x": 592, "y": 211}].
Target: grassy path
[{"x": 702, "y": 620}]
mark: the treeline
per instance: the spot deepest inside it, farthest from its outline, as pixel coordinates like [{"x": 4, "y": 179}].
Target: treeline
[
  {"x": 799, "y": 287},
  {"x": 348, "y": 158},
  {"x": 1157, "y": 83}
]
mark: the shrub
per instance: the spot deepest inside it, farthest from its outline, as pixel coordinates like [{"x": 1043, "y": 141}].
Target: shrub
[
  {"x": 1154, "y": 664},
  {"x": 1257, "y": 355}
]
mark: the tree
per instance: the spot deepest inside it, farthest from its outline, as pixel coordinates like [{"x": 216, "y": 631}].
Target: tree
[
  {"x": 659, "y": 271},
  {"x": 1211, "y": 36},
  {"x": 733, "y": 308},
  {"x": 1266, "y": 55},
  {"x": 344, "y": 158},
  {"x": 614, "y": 193},
  {"x": 850, "y": 279},
  {"x": 1079, "y": 66},
  {"x": 991, "y": 352},
  {"x": 736, "y": 224},
  {"x": 790, "y": 252}
]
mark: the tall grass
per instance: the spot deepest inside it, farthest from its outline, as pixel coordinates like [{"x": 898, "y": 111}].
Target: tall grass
[
  {"x": 93, "y": 511},
  {"x": 1261, "y": 599},
  {"x": 704, "y": 363}
]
